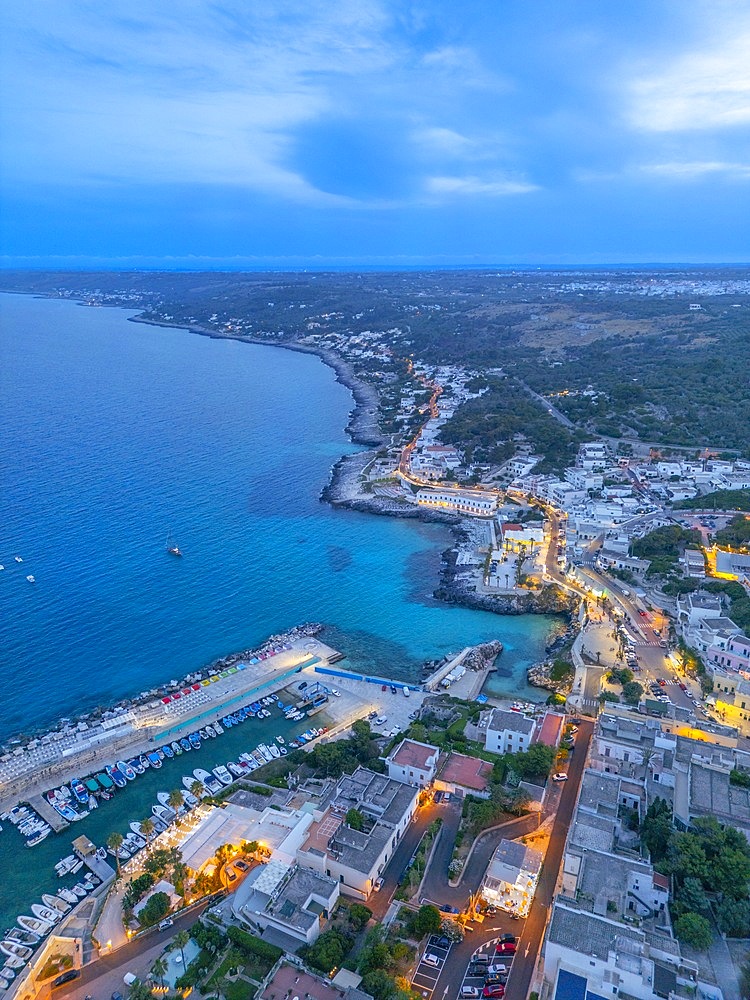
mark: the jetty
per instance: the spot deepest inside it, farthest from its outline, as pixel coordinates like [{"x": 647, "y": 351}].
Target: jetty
[{"x": 50, "y": 816}]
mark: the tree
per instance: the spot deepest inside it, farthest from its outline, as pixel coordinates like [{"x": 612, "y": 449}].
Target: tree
[
  {"x": 632, "y": 692},
  {"x": 176, "y": 800},
  {"x": 691, "y": 897},
  {"x": 147, "y": 829},
  {"x": 159, "y": 969},
  {"x": 155, "y": 909},
  {"x": 733, "y": 917},
  {"x": 426, "y": 920},
  {"x": 139, "y": 991},
  {"x": 694, "y": 930},
  {"x": 359, "y": 915},
  {"x": 536, "y": 762},
  {"x": 657, "y": 829},
  {"x": 198, "y": 789},
  {"x": 329, "y": 950},
  {"x": 181, "y": 939},
  {"x": 355, "y": 819},
  {"x": 115, "y": 842}
]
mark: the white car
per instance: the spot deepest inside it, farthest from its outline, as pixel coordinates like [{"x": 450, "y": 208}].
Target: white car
[
  {"x": 335, "y": 693},
  {"x": 560, "y": 776},
  {"x": 381, "y": 720}
]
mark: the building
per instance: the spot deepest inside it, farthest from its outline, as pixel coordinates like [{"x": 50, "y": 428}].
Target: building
[
  {"x": 696, "y": 607},
  {"x": 519, "y": 537},
  {"x": 279, "y": 831},
  {"x": 293, "y": 901},
  {"x": 511, "y": 877},
  {"x": 290, "y": 980},
  {"x": 464, "y": 775},
  {"x": 509, "y": 732},
  {"x": 413, "y": 763},
  {"x": 732, "y": 565},
  {"x": 476, "y": 503},
  {"x": 357, "y": 857},
  {"x": 693, "y": 564}
]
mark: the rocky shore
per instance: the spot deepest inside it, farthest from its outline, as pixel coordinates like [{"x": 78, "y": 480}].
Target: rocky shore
[{"x": 539, "y": 676}]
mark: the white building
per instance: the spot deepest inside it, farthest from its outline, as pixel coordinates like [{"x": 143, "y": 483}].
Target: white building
[
  {"x": 509, "y": 732},
  {"x": 511, "y": 877},
  {"x": 357, "y": 857},
  {"x": 295, "y": 901},
  {"x": 475, "y": 503},
  {"x": 413, "y": 763}
]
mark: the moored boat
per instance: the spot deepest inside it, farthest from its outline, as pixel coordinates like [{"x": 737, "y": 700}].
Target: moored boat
[
  {"x": 176, "y": 748},
  {"x": 34, "y": 924},
  {"x": 116, "y": 775},
  {"x": 167, "y": 751},
  {"x": 48, "y": 913},
  {"x": 105, "y": 781},
  {"x": 125, "y": 770},
  {"x": 154, "y": 760},
  {"x": 185, "y": 743},
  {"x": 16, "y": 950},
  {"x": 222, "y": 774},
  {"x": 79, "y": 790}
]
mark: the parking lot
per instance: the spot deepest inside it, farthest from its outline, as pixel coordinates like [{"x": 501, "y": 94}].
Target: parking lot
[
  {"x": 488, "y": 971},
  {"x": 431, "y": 964}
]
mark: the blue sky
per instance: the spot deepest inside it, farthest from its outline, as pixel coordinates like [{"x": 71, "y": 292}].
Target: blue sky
[{"x": 500, "y": 131}]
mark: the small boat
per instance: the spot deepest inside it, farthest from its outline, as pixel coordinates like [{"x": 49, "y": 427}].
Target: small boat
[
  {"x": 35, "y": 924},
  {"x": 235, "y": 769},
  {"x": 101, "y": 853},
  {"x": 93, "y": 879},
  {"x": 105, "y": 781},
  {"x": 37, "y": 838},
  {"x": 274, "y": 750},
  {"x": 79, "y": 790},
  {"x": 31, "y": 578},
  {"x": 218, "y": 729},
  {"x": 154, "y": 760},
  {"x": 18, "y": 559},
  {"x": 15, "y": 962},
  {"x": 211, "y": 732},
  {"x": 190, "y": 799},
  {"x": 210, "y": 781},
  {"x": 4, "y": 983},
  {"x": 16, "y": 950},
  {"x": 92, "y": 784},
  {"x": 226, "y": 722},
  {"x": 222, "y": 774},
  {"x": 48, "y": 913},
  {"x": 195, "y": 741},
  {"x": 144, "y": 761},
  {"x": 136, "y": 839},
  {"x": 65, "y": 811},
  {"x": 203, "y": 735},
  {"x": 159, "y": 825},
  {"x": 116, "y": 775},
  {"x": 163, "y": 813},
  {"x": 7, "y": 973},
  {"x": 281, "y": 740},
  {"x": 136, "y": 765},
  {"x": 67, "y": 895},
  {"x": 76, "y": 867},
  {"x": 93, "y": 804},
  {"x": 21, "y": 936},
  {"x": 283, "y": 751},
  {"x": 79, "y": 890},
  {"x": 172, "y": 547},
  {"x": 168, "y": 751},
  {"x": 176, "y": 748},
  {"x": 185, "y": 743},
  {"x": 267, "y": 755}
]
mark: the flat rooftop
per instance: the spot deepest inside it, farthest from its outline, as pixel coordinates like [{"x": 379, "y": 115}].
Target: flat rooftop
[
  {"x": 410, "y": 753},
  {"x": 469, "y": 772}
]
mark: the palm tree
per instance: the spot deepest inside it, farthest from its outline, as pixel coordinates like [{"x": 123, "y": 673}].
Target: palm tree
[
  {"x": 147, "y": 830},
  {"x": 197, "y": 789},
  {"x": 181, "y": 939},
  {"x": 176, "y": 800},
  {"x": 115, "y": 842},
  {"x": 159, "y": 969}
]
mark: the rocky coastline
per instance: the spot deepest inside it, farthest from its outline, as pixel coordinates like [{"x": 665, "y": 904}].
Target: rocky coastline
[{"x": 539, "y": 675}]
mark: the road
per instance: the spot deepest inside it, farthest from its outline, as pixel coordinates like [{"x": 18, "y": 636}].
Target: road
[{"x": 103, "y": 977}]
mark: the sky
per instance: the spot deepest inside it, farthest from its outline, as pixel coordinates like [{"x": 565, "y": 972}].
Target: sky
[{"x": 238, "y": 133}]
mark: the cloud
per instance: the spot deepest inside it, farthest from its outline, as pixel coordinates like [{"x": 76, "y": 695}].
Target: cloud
[
  {"x": 696, "y": 169},
  {"x": 491, "y": 187},
  {"x": 707, "y": 89}
]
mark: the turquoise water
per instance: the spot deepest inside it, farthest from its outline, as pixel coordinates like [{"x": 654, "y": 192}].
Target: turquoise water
[{"x": 116, "y": 434}]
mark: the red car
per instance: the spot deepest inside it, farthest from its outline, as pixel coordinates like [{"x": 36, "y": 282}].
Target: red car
[
  {"x": 496, "y": 990},
  {"x": 505, "y": 948}
]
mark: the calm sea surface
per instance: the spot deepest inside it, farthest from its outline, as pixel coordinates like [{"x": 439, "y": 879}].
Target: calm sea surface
[{"x": 116, "y": 435}]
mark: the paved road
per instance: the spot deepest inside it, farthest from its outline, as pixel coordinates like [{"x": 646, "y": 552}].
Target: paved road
[
  {"x": 102, "y": 978},
  {"x": 535, "y": 924},
  {"x": 380, "y": 901}
]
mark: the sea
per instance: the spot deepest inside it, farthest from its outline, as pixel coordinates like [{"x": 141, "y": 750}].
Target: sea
[{"x": 117, "y": 436}]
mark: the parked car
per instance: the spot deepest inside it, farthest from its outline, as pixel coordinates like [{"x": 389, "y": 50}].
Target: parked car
[
  {"x": 430, "y": 959},
  {"x": 377, "y": 884},
  {"x": 573, "y": 730},
  {"x": 495, "y": 990},
  {"x": 508, "y": 939},
  {"x": 302, "y": 686},
  {"x": 335, "y": 692},
  {"x": 560, "y": 776},
  {"x": 394, "y": 689},
  {"x": 167, "y": 922},
  {"x": 438, "y": 796},
  {"x": 448, "y": 909},
  {"x": 497, "y": 968},
  {"x": 505, "y": 948},
  {"x": 442, "y": 942},
  {"x": 242, "y": 866},
  {"x": 71, "y": 974},
  {"x": 470, "y": 991},
  {"x": 381, "y": 720}
]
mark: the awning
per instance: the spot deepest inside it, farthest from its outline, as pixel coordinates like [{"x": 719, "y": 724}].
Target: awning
[{"x": 166, "y": 700}]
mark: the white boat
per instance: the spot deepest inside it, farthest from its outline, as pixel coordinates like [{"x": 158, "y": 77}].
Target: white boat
[
  {"x": 30, "y": 578},
  {"x": 48, "y": 913},
  {"x": 159, "y": 825},
  {"x": 76, "y": 867},
  {"x": 55, "y": 903},
  {"x": 267, "y": 755},
  {"x": 223, "y": 775},
  {"x": 79, "y": 890},
  {"x": 190, "y": 799},
  {"x": 163, "y": 797},
  {"x": 211, "y": 732},
  {"x": 21, "y": 936},
  {"x": 274, "y": 750},
  {"x": 210, "y": 781},
  {"x": 14, "y": 961},
  {"x": 162, "y": 813},
  {"x": 16, "y": 950},
  {"x": 34, "y": 924},
  {"x": 7, "y": 973},
  {"x": 18, "y": 559},
  {"x": 136, "y": 840},
  {"x": 235, "y": 769},
  {"x": 68, "y": 896},
  {"x": 188, "y": 782},
  {"x": 281, "y": 740},
  {"x": 218, "y": 729}
]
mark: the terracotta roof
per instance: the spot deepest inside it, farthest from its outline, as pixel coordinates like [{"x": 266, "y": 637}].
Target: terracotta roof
[
  {"x": 469, "y": 772},
  {"x": 413, "y": 754}
]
